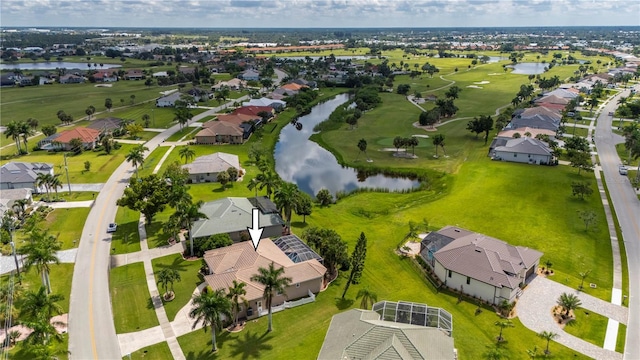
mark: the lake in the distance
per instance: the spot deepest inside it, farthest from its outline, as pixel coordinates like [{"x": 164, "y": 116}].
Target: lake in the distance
[
  {"x": 311, "y": 167},
  {"x": 528, "y": 68},
  {"x": 52, "y": 65}
]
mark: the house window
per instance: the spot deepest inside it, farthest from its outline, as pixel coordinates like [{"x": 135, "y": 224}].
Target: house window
[
  {"x": 468, "y": 280},
  {"x": 297, "y": 285},
  {"x": 449, "y": 273},
  {"x": 515, "y": 155}
]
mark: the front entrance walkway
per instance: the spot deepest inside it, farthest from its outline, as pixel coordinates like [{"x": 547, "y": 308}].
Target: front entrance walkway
[{"x": 540, "y": 296}]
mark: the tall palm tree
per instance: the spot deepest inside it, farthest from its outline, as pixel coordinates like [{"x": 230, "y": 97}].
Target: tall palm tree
[
  {"x": 208, "y": 308},
  {"x": 43, "y": 330},
  {"x": 41, "y": 249},
  {"x": 187, "y": 213},
  {"x": 547, "y": 335},
  {"x": 438, "y": 140},
  {"x": 44, "y": 179},
  {"x": 268, "y": 180},
  {"x": 187, "y": 154},
  {"x": 13, "y": 131},
  {"x": 236, "y": 295},
  {"x": 136, "y": 156},
  {"x": 569, "y": 302},
  {"x": 55, "y": 183},
  {"x": 166, "y": 278},
  {"x": 362, "y": 146},
  {"x": 274, "y": 282},
  {"x": 286, "y": 197},
  {"x": 25, "y": 131},
  {"x": 33, "y": 123},
  {"x": 36, "y": 304},
  {"x": 368, "y": 298}
]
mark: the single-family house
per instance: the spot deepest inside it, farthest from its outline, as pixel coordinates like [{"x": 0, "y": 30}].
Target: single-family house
[
  {"x": 244, "y": 121},
  {"x": 62, "y": 140},
  {"x": 253, "y": 110},
  {"x": 9, "y": 197},
  {"x": 71, "y": 79},
  {"x": 134, "y": 74},
  {"x": 552, "y": 102},
  {"x": 218, "y": 132},
  {"x": 232, "y": 216},
  {"x": 482, "y": 266},
  {"x": 295, "y": 88},
  {"x": 198, "y": 94},
  {"x": 105, "y": 76},
  {"x": 186, "y": 70},
  {"x": 241, "y": 261},
  {"x": 537, "y": 117},
  {"x": 106, "y": 125},
  {"x": 522, "y": 150},
  {"x": 264, "y": 101},
  {"x": 169, "y": 100},
  {"x": 308, "y": 83},
  {"x": 22, "y": 175},
  {"x": 162, "y": 74},
  {"x": 206, "y": 168},
  {"x": 249, "y": 75},
  {"x": 533, "y": 133},
  {"x": 233, "y": 84},
  {"x": 374, "y": 334}
]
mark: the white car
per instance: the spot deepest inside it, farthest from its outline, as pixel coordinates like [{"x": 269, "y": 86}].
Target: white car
[
  {"x": 112, "y": 227},
  {"x": 623, "y": 170}
]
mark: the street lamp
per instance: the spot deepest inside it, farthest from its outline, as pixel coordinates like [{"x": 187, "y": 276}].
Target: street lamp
[{"x": 66, "y": 169}]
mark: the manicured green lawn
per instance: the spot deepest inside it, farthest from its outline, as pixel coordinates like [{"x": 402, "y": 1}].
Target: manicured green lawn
[
  {"x": 43, "y": 102},
  {"x": 75, "y": 195},
  {"x": 622, "y": 336},
  {"x": 159, "y": 351},
  {"x": 152, "y": 160},
  {"x": 23, "y": 351},
  {"x": 102, "y": 165},
  {"x": 132, "y": 306},
  {"x": 126, "y": 239},
  {"x": 187, "y": 133},
  {"x": 60, "y": 276},
  {"x": 183, "y": 289},
  {"x": 11, "y": 149},
  {"x": 588, "y": 326},
  {"x": 67, "y": 225}
]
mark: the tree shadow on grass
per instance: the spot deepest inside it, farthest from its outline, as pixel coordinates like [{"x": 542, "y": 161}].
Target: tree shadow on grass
[
  {"x": 299, "y": 224},
  {"x": 155, "y": 229},
  {"x": 251, "y": 344},
  {"x": 178, "y": 264},
  {"x": 343, "y": 304}
]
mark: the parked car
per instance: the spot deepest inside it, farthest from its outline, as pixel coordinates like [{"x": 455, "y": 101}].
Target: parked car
[
  {"x": 610, "y": 113},
  {"x": 623, "y": 170},
  {"x": 112, "y": 227}
]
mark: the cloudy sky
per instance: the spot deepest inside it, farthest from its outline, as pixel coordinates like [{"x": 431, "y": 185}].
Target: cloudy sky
[{"x": 317, "y": 13}]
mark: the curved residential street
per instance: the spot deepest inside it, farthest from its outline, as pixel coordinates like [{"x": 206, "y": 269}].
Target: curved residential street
[
  {"x": 91, "y": 328},
  {"x": 627, "y": 208}
]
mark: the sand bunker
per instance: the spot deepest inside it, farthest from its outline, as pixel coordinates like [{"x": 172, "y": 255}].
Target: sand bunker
[
  {"x": 421, "y": 136},
  {"x": 104, "y": 85},
  {"x": 474, "y": 86},
  {"x": 494, "y": 74},
  {"x": 483, "y": 82}
]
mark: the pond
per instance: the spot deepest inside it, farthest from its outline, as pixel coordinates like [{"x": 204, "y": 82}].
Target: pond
[
  {"x": 312, "y": 168},
  {"x": 52, "y": 65},
  {"x": 528, "y": 68}
]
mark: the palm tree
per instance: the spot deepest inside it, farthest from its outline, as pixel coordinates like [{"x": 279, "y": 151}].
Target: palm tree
[
  {"x": 37, "y": 304},
  {"x": 188, "y": 212},
  {"x": 268, "y": 180},
  {"x": 44, "y": 179},
  {"x": 547, "y": 335},
  {"x": 33, "y": 123},
  {"x": 569, "y": 302},
  {"x": 236, "y": 295},
  {"x": 413, "y": 142},
  {"x": 43, "y": 330},
  {"x": 368, "y": 298},
  {"x": 187, "y": 153},
  {"x": 13, "y": 131},
  {"x": 55, "y": 183},
  {"x": 286, "y": 197},
  {"x": 502, "y": 325},
  {"x": 438, "y": 140},
  {"x": 41, "y": 250},
  {"x": 136, "y": 156},
  {"x": 593, "y": 102},
  {"x": 166, "y": 278},
  {"x": 25, "y": 132},
  {"x": 208, "y": 308},
  {"x": 362, "y": 145},
  {"x": 90, "y": 111},
  {"x": 274, "y": 282}
]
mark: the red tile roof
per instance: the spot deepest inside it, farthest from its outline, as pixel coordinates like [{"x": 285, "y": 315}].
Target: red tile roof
[
  {"x": 252, "y": 110},
  {"x": 85, "y": 134}
]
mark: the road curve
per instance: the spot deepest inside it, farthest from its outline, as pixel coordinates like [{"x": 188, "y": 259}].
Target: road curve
[
  {"x": 92, "y": 333},
  {"x": 627, "y": 207}
]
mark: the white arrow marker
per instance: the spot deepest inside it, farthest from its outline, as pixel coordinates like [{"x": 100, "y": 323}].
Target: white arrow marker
[{"x": 255, "y": 231}]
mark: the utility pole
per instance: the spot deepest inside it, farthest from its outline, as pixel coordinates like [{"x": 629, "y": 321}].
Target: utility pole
[
  {"x": 13, "y": 249},
  {"x": 66, "y": 169}
]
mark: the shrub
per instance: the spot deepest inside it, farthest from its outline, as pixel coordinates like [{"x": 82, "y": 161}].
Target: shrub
[{"x": 213, "y": 242}]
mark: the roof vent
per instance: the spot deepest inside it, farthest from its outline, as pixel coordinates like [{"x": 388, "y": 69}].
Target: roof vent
[{"x": 478, "y": 250}]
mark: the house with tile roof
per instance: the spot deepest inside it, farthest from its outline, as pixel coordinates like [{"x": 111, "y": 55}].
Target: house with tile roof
[
  {"x": 241, "y": 261},
  {"x": 218, "y": 132},
  {"x": 254, "y": 110},
  {"x": 62, "y": 141},
  {"x": 264, "y": 101},
  {"x": 233, "y": 215},
  {"x": 206, "y": 168},
  {"x": 537, "y": 117},
  {"x": 366, "y": 334},
  {"x": 249, "y": 75},
  {"x": 522, "y": 150},
  {"x": 481, "y": 266},
  {"x": 22, "y": 175},
  {"x": 233, "y": 84},
  {"x": 509, "y": 134},
  {"x": 169, "y": 100}
]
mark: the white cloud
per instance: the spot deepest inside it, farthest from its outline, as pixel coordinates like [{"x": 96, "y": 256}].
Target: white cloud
[{"x": 319, "y": 13}]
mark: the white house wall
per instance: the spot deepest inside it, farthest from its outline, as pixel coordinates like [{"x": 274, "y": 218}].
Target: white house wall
[
  {"x": 522, "y": 158},
  {"x": 476, "y": 288}
]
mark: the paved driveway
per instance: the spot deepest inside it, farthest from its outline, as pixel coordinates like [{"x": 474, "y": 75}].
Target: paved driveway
[{"x": 534, "y": 311}]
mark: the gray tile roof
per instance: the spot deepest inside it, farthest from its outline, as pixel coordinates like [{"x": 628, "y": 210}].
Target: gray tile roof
[
  {"x": 22, "y": 172},
  {"x": 214, "y": 163},
  {"x": 360, "y": 334},
  {"x": 230, "y": 215},
  {"x": 525, "y": 145},
  {"x": 486, "y": 259}
]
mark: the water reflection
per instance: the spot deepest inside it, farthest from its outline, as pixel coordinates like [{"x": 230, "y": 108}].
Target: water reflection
[
  {"x": 313, "y": 168},
  {"x": 528, "y": 68}
]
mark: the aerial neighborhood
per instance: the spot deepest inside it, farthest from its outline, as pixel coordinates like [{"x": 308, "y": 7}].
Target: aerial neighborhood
[{"x": 323, "y": 194}]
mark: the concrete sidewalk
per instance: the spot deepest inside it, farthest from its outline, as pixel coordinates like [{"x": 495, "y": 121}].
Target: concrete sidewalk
[
  {"x": 69, "y": 204},
  {"x": 8, "y": 263}
]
